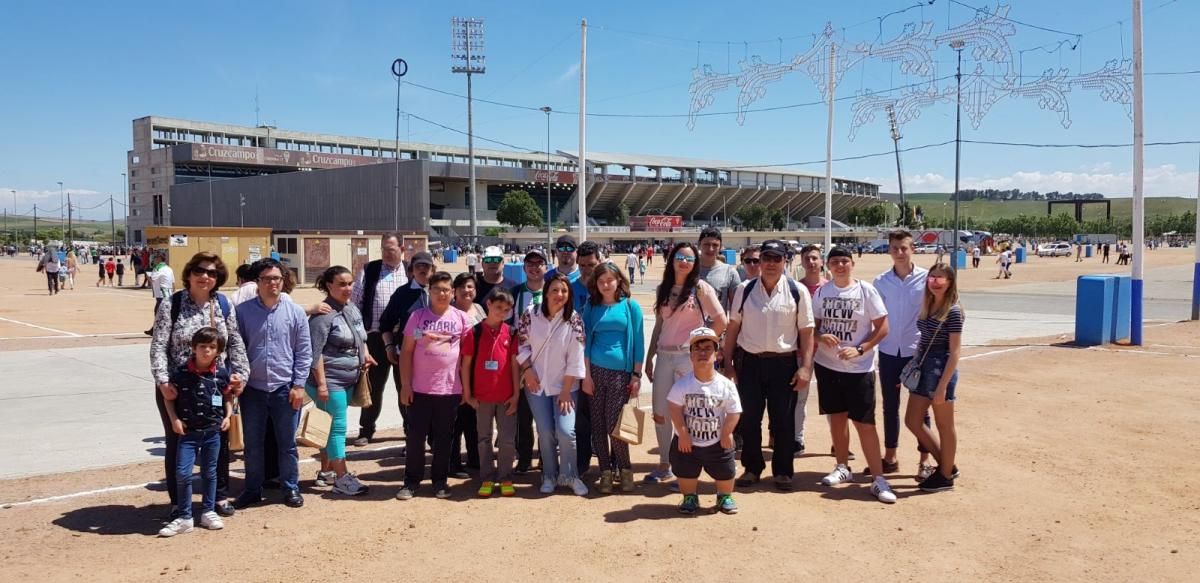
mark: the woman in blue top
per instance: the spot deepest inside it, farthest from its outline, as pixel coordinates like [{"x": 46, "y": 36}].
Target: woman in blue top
[{"x": 613, "y": 353}]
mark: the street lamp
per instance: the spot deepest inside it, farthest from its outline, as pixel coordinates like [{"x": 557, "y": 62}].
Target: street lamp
[
  {"x": 61, "y": 205},
  {"x": 549, "y": 233},
  {"x": 957, "y": 45}
]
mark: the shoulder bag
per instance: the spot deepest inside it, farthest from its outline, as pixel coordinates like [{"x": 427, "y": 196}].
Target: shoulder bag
[{"x": 910, "y": 375}]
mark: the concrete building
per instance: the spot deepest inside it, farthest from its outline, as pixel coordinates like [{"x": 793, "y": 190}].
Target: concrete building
[{"x": 206, "y": 174}]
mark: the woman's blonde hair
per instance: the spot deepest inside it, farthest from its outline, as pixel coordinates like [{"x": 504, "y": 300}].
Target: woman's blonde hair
[{"x": 930, "y": 308}]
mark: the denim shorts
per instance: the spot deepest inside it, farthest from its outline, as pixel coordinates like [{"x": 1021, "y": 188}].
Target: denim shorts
[{"x": 931, "y": 374}]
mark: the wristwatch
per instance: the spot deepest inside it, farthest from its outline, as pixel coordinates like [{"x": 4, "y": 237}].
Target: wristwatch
[{"x": 859, "y": 348}]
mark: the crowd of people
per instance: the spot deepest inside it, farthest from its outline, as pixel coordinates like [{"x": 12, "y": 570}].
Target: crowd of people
[{"x": 481, "y": 359}]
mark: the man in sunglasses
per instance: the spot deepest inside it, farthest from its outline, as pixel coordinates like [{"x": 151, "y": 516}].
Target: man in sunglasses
[
  {"x": 751, "y": 264},
  {"x": 491, "y": 276},
  {"x": 588, "y": 256},
  {"x": 568, "y": 261},
  {"x": 525, "y": 295}
]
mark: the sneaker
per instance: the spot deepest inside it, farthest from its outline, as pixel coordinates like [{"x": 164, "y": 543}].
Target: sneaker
[
  {"x": 798, "y": 448},
  {"x": 783, "y": 483},
  {"x": 747, "y": 479},
  {"x": 507, "y": 490},
  {"x": 579, "y": 487},
  {"x": 882, "y": 491},
  {"x": 726, "y": 504},
  {"x": 349, "y": 485},
  {"x": 177, "y": 526},
  {"x": 548, "y": 485},
  {"x": 657, "y": 476},
  {"x": 521, "y": 470},
  {"x": 606, "y": 482},
  {"x": 460, "y": 473},
  {"x": 441, "y": 492},
  {"x": 486, "y": 489},
  {"x": 627, "y": 480},
  {"x": 690, "y": 504},
  {"x": 924, "y": 471},
  {"x": 406, "y": 493},
  {"x": 225, "y": 509},
  {"x": 937, "y": 483},
  {"x": 891, "y": 467},
  {"x": 840, "y": 475},
  {"x": 211, "y": 521},
  {"x": 325, "y": 478},
  {"x": 360, "y": 441}
]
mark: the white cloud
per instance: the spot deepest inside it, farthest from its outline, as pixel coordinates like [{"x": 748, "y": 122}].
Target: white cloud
[
  {"x": 570, "y": 73},
  {"x": 1164, "y": 180}
]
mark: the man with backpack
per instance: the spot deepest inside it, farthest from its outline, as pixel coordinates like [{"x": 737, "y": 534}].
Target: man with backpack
[{"x": 768, "y": 351}]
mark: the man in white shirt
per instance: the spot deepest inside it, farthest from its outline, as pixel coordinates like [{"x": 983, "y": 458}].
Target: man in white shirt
[
  {"x": 472, "y": 261},
  {"x": 768, "y": 352},
  {"x": 162, "y": 283},
  {"x": 903, "y": 290},
  {"x": 631, "y": 264}
]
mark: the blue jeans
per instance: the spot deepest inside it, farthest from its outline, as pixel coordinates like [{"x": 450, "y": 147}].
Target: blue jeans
[
  {"x": 257, "y": 406},
  {"x": 931, "y": 374},
  {"x": 204, "y": 445},
  {"x": 556, "y": 431},
  {"x": 889, "y": 384}
]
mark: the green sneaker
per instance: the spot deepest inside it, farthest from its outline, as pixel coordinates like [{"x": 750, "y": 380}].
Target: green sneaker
[
  {"x": 726, "y": 504},
  {"x": 690, "y": 504}
]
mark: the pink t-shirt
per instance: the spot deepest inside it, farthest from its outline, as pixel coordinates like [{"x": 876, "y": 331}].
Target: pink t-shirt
[
  {"x": 677, "y": 325},
  {"x": 439, "y": 344}
]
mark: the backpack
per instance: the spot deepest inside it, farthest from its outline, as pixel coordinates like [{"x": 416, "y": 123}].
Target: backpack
[{"x": 792, "y": 287}]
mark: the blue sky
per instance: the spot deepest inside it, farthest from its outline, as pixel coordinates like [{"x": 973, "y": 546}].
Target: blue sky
[{"x": 77, "y": 73}]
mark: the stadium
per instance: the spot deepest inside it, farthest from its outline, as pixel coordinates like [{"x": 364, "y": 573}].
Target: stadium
[{"x": 190, "y": 173}]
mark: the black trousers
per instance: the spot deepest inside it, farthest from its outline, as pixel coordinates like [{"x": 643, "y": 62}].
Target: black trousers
[
  {"x": 525, "y": 431},
  {"x": 378, "y": 376},
  {"x": 172, "y": 447},
  {"x": 431, "y": 417},
  {"x": 464, "y": 425},
  {"x": 764, "y": 384},
  {"x": 583, "y": 434}
]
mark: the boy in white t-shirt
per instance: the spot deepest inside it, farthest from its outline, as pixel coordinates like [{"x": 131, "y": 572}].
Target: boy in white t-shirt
[
  {"x": 851, "y": 321},
  {"x": 704, "y": 409}
]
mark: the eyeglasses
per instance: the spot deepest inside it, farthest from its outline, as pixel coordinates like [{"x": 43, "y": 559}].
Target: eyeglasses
[
  {"x": 441, "y": 290},
  {"x": 493, "y": 259},
  {"x": 271, "y": 278},
  {"x": 772, "y": 259},
  {"x": 566, "y": 249},
  {"x": 198, "y": 271},
  {"x": 751, "y": 261},
  {"x": 684, "y": 258}
]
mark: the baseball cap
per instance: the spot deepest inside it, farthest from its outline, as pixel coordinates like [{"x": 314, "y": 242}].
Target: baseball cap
[
  {"x": 493, "y": 251},
  {"x": 566, "y": 241},
  {"x": 422, "y": 257},
  {"x": 774, "y": 247},
  {"x": 702, "y": 333},
  {"x": 536, "y": 253},
  {"x": 839, "y": 251}
]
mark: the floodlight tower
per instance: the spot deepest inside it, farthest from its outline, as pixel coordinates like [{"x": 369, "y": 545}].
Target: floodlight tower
[{"x": 466, "y": 56}]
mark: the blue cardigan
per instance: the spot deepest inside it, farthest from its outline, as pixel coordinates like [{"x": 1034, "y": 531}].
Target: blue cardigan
[{"x": 635, "y": 337}]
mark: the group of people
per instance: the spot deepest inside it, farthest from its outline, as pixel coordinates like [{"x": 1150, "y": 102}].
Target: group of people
[{"x": 483, "y": 359}]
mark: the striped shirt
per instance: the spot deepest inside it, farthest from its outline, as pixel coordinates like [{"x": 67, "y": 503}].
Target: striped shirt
[{"x": 929, "y": 329}]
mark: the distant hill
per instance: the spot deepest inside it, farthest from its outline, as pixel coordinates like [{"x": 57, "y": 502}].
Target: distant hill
[
  {"x": 990, "y": 210},
  {"x": 84, "y": 230}
]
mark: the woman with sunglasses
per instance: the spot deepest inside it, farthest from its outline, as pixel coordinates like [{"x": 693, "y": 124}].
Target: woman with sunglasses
[
  {"x": 198, "y": 305},
  {"x": 683, "y": 302}
]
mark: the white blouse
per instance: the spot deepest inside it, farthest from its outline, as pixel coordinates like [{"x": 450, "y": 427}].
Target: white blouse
[{"x": 553, "y": 347}]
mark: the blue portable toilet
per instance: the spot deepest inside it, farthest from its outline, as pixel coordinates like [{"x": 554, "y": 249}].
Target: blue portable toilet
[
  {"x": 1122, "y": 304},
  {"x": 1087, "y": 250},
  {"x": 730, "y": 256},
  {"x": 1020, "y": 254},
  {"x": 1094, "y": 309},
  {"x": 960, "y": 259},
  {"x": 449, "y": 256}
]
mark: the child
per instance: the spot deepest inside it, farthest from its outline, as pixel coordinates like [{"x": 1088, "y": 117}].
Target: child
[
  {"x": 642, "y": 266},
  {"x": 704, "y": 409},
  {"x": 489, "y": 381},
  {"x": 199, "y": 413}
]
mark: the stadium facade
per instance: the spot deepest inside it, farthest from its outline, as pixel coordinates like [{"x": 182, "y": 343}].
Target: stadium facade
[{"x": 184, "y": 172}]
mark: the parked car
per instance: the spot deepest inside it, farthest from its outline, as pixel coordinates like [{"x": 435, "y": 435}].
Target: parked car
[
  {"x": 923, "y": 249},
  {"x": 882, "y": 248},
  {"x": 1054, "y": 250}
]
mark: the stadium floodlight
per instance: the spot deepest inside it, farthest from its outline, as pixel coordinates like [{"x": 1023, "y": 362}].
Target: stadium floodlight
[
  {"x": 549, "y": 232},
  {"x": 466, "y": 56}
]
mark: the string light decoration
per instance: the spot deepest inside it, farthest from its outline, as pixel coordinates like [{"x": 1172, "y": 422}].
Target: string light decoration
[{"x": 994, "y": 78}]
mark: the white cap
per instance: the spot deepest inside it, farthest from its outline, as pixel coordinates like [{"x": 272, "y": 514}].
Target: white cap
[
  {"x": 702, "y": 333},
  {"x": 493, "y": 251}
]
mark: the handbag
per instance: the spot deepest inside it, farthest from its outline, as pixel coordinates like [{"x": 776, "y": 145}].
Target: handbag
[
  {"x": 631, "y": 427},
  {"x": 910, "y": 375},
  {"x": 314, "y": 427},
  {"x": 362, "y": 387},
  {"x": 237, "y": 441}
]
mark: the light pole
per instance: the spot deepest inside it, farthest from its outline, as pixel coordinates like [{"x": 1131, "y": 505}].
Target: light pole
[
  {"x": 399, "y": 69},
  {"x": 549, "y": 232},
  {"x": 61, "y": 208},
  {"x": 125, "y": 191},
  {"x": 467, "y": 46},
  {"x": 242, "y": 210},
  {"x": 957, "y": 45}
]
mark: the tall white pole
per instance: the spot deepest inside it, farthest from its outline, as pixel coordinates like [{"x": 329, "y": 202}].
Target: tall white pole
[
  {"x": 470, "y": 145},
  {"x": 1195, "y": 243},
  {"x": 581, "y": 198},
  {"x": 829, "y": 153},
  {"x": 1139, "y": 207}
]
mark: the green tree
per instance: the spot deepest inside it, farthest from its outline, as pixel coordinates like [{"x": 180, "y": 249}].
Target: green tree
[
  {"x": 778, "y": 220},
  {"x": 620, "y": 215},
  {"x": 493, "y": 232},
  {"x": 755, "y": 217},
  {"x": 518, "y": 210}
]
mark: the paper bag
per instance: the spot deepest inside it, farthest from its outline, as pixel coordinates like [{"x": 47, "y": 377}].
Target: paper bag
[
  {"x": 632, "y": 424},
  {"x": 314, "y": 427},
  {"x": 362, "y": 392},
  {"x": 236, "y": 442}
]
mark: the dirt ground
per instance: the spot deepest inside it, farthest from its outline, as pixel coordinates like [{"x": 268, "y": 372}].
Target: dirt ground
[{"x": 1077, "y": 465}]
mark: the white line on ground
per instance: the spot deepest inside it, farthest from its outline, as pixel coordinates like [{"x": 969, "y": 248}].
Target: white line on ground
[
  {"x": 141, "y": 334},
  {"x": 149, "y": 484},
  {"x": 71, "y": 334},
  {"x": 983, "y": 354},
  {"x": 1150, "y": 352}
]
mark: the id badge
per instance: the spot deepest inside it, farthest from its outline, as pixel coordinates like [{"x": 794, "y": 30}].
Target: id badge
[
  {"x": 416, "y": 333},
  {"x": 492, "y": 365},
  {"x": 217, "y": 400}
]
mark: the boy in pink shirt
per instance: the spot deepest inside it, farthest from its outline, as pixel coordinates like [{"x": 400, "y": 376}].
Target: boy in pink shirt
[{"x": 431, "y": 384}]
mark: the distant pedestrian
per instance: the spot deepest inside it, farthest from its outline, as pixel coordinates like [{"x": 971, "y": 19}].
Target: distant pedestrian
[
  {"x": 110, "y": 269},
  {"x": 976, "y": 255},
  {"x": 1078, "y": 252},
  {"x": 72, "y": 269},
  {"x": 120, "y": 273},
  {"x": 1105, "y": 251},
  {"x": 101, "y": 272},
  {"x": 49, "y": 264}
]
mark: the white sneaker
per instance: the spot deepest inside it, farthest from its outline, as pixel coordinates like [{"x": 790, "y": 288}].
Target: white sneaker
[
  {"x": 177, "y": 526},
  {"x": 211, "y": 521},
  {"x": 349, "y": 485},
  {"x": 840, "y": 475},
  {"x": 325, "y": 479},
  {"x": 547, "y": 486},
  {"x": 883, "y": 491},
  {"x": 924, "y": 471},
  {"x": 579, "y": 487}
]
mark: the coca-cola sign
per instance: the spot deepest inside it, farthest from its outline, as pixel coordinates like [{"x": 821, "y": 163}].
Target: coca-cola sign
[
  {"x": 559, "y": 177},
  {"x": 662, "y": 223}
]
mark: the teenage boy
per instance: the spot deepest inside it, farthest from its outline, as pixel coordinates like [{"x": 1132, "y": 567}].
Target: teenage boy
[
  {"x": 851, "y": 320},
  {"x": 814, "y": 270},
  {"x": 198, "y": 413},
  {"x": 751, "y": 264},
  {"x": 404, "y": 302},
  {"x": 587, "y": 256},
  {"x": 490, "y": 378},
  {"x": 723, "y": 277},
  {"x": 431, "y": 384},
  {"x": 525, "y": 295},
  {"x": 903, "y": 290},
  {"x": 768, "y": 351},
  {"x": 373, "y": 289},
  {"x": 704, "y": 409}
]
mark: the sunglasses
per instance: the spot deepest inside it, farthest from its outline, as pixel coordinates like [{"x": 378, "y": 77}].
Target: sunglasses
[
  {"x": 772, "y": 259},
  {"x": 685, "y": 258},
  {"x": 198, "y": 271},
  {"x": 566, "y": 249},
  {"x": 751, "y": 261},
  {"x": 493, "y": 259}
]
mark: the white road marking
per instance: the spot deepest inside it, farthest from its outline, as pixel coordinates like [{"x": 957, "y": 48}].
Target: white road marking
[
  {"x": 140, "y": 334},
  {"x": 70, "y": 334},
  {"x": 983, "y": 354}
]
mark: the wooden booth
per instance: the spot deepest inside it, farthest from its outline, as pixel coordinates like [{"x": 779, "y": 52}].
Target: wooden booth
[
  {"x": 308, "y": 253},
  {"x": 234, "y": 245}
]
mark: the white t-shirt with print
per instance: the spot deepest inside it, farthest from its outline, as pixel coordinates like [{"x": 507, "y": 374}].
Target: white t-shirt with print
[
  {"x": 847, "y": 313},
  {"x": 705, "y": 406}
]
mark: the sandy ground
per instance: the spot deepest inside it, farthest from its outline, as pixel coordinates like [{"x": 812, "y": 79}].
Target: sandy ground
[{"x": 1076, "y": 466}]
